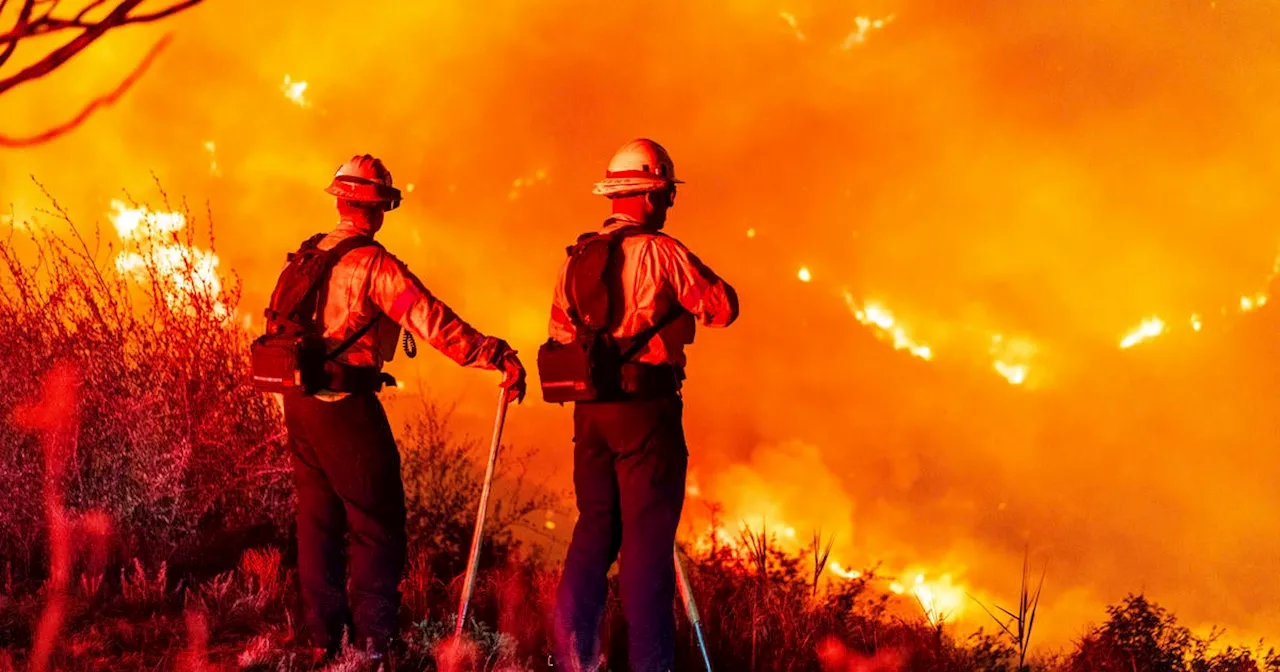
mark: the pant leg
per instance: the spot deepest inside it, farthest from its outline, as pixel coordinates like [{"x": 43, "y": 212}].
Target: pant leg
[
  {"x": 584, "y": 586},
  {"x": 356, "y": 451},
  {"x": 652, "y": 462},
  {"x": 321, "y": 527},
  {"x": 364, "y": 468}
]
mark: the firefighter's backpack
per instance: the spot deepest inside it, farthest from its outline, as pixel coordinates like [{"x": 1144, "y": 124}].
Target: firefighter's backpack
[
  {"x": 590, "y": 367},
  {"x": 291, "y": 355}
]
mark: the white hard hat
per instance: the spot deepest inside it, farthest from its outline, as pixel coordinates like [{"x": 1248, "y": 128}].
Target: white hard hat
[
  {"x": 641, "y": 166},
  {"x": 364, "y": 179}
]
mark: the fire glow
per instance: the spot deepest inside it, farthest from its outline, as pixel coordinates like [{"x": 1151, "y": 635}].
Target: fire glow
[
  {"x": 153, "y": 246},
  {"x": 940, "y": 599}
]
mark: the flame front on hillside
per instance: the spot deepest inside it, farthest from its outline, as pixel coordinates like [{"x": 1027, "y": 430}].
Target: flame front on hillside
[{"x": 154, "y": 251}]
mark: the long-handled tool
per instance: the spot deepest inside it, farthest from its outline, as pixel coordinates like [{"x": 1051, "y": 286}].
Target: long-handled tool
[
  {"x": 691, "y": 608},
  {"x": 473, "y": 562}
]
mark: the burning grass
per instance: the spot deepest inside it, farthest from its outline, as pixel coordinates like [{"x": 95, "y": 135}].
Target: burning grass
[{"x": 147, "y": 509}]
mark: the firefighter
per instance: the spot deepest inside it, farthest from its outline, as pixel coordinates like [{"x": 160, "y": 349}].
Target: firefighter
[
  {"x": 346, "y": 466},
  {"x": 630, "y": 457}
]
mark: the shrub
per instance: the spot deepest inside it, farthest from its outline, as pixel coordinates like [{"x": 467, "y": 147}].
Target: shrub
[{"x": 175, "y": 446}]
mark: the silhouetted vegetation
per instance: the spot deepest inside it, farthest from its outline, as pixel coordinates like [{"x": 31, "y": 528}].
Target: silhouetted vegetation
[{"x": 178, "y": 504}]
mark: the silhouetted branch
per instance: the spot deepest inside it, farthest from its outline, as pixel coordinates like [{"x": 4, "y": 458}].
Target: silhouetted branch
[
  {"x": 88, "y": 110},
  {"x": 45, "y": 23}
]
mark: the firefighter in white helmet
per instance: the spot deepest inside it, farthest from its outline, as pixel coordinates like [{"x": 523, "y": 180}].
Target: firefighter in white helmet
[
  {"x": 345, "y": 461},
  {"x": 630, "y": 457}
]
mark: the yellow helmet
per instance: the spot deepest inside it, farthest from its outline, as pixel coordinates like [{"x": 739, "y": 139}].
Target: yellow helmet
[
  {"x": 639, "y": 167},
  {"x": 364, "y": 179}
]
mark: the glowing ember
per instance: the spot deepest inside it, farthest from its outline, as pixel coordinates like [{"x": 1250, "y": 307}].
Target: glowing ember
[
  {"x": 795, "y": 25},
  {"x": 409, "y": 188},
  {"x": 210, "y": 147},
  {"x": 751, "y": 233},
  {"x": 886, "y": 327},
  {"x": 864, "y": 25},
  {"x": 1248, "y": 303},
  {"x": 804, "y": 275},
  {"x": 153, "y": 247},
  {"x": 550, "y": 525},
  {"x": 520, "y": 183},
  {"x": 1196, "y": 323},
  {"x": 295, "y": 91},
  {"x": 1148, "y": 330}
]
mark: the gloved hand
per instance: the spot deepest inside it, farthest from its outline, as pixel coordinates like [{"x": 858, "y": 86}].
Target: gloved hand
[{"x": 513, "y": 376}]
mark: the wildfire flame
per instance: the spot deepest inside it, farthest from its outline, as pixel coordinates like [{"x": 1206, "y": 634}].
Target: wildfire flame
[
  {"x": 1012, "y": 357},
  {"x": 940, "y": 599},
  {"x": 875, "y": 315},
  {"x": 1149, "y": 329},
  {"x": 295, "y": 91},
  {"x": 153, "y": 246}
]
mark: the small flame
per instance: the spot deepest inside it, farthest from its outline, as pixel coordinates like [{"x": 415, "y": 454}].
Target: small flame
[
  {"x": 839, "y": 570},
  {"x": 1012, "y": 357},
  {"x": 295, "y": 91},
  {"x": 804, "y": 275},
  {"x": 874, "y": 315},
  {"x": 1149, "y": 329},
  {"x": 1196, "y": 324},
  {"x": 550, "y": 524},
  {"x": 1016, "y": 374},
  {"x": 751, "y": 233}
]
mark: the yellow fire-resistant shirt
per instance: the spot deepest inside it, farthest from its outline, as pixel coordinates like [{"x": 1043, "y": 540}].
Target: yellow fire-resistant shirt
[
  {"x": 658, "y": 274},
  {"x": 370, "y": 281}
]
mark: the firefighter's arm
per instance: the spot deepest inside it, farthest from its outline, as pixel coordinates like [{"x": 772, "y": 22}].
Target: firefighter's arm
[
  {"x": 399, "y": 294},
  {"x": 703, "y": 293},
  {"x": 561, "y": 329}
]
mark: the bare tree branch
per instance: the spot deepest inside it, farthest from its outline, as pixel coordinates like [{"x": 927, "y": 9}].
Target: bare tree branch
[
  {"x": 24, "y": 17},
  {"x": 49, "y": 24},
  {"x": 62, "y": 54},
  {"x": 101, "y": 101},
  {"x": 45, "y": 23}
]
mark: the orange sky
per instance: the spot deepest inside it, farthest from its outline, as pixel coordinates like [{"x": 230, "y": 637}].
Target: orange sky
[{"x": 1051, "y": 171}]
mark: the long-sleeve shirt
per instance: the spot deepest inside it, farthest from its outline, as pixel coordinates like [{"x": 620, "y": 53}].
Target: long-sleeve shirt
[
  {"x": 370, "y": 281},
  {"x": 659, "y": 274}
]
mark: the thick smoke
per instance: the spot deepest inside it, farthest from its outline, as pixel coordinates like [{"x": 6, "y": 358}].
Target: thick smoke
[{"x": 1057, "y": 171}]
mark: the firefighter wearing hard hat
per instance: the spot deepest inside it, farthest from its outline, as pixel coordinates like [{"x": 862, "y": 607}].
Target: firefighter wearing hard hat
[
  {"x": 349, "y": 298},
  {"x": 627, "y": 303}
]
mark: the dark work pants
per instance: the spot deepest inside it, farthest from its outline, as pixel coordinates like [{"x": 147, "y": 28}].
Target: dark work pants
[
  {"x": 350, "y": 508},
  {"x": 629, "y": 465}
]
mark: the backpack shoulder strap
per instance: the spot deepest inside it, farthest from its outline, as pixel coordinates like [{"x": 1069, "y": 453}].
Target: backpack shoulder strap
[
  {"x": 320, "y": 289},
  {"x": 614, "y": 241}
]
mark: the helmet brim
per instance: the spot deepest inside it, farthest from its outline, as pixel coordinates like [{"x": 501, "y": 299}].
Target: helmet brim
[
  {"x": 630, "y": 186},
  {"x": 362, "y": 192}
]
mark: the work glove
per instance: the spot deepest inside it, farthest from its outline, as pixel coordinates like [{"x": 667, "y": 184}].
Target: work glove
[{"x": 513, "y": 376}]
